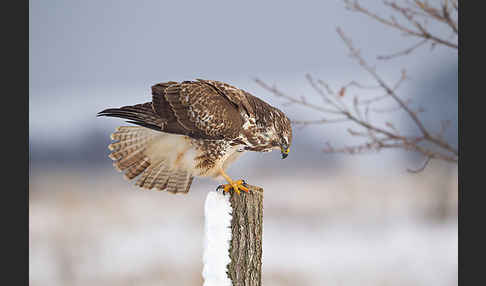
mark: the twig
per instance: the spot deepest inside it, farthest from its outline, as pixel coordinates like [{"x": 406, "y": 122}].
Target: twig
[
  {"x": 407, "y": 12},
  {"x": 404, "y": 52},
  {"x": 426, "y": 162},
  {"x": 321, "y": 121},
  {"x": 358, "y": 112},
  {"x": 355, "y": 54},
  {"x": 278, "y": 93}
]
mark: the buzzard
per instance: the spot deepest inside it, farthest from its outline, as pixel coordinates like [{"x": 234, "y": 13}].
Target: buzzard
[{"x": 194, "y": 129}]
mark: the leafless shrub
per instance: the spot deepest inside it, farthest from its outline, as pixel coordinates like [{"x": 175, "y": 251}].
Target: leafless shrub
[{"x": 416, "y": 17}]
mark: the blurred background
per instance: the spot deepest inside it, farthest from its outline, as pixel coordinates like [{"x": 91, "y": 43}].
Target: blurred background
[{"x": 329, "y": 219}]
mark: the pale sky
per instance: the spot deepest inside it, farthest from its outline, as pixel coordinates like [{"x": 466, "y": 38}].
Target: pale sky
[{"x": 87, "y": 55}]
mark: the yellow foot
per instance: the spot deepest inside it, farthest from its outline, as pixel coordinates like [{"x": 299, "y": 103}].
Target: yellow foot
[{"x": 236, "y": 186}]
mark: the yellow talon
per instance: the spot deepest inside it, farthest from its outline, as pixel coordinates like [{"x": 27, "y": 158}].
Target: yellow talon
[
  {"x": 226, "y": 188},
  {"x": 243, "y": 188},
  {"x": 237, "y": 186}
]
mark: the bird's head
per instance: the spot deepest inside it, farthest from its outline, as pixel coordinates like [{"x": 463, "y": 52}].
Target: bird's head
[{"x": 284, "y": 133}]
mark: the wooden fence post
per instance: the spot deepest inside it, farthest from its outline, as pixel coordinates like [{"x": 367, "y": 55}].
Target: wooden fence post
[{"x": 245, "y": 249}]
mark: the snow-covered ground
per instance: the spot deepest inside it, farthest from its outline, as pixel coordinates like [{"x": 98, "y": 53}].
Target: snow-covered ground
[{"x": 96, "y": 229}]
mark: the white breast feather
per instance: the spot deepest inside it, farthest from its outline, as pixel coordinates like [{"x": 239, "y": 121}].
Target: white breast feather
[
  {"x": 176, "y": 150},
  {"x": 178, "y": 153}
]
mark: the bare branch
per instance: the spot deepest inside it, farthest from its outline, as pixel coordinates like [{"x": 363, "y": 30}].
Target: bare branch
[
  {"x": 404, "y": 52},
  {"x": 355, "y": 54},
  {"x": 427, "y": 160},
  {"x": 420, "y": 30},
  {"x": 322, "y": 121},
  {"x": 339, "y": 107},
  {"x": 278, "y": 93},
  {"x": 357, "y": 111}
]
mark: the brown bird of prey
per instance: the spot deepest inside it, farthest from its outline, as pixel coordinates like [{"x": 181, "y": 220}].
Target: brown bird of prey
[{"x": 194, "y": 129}]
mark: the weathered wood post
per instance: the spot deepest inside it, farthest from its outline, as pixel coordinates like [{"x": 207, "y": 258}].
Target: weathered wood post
[
  {"x": 245, "y": 250},
  {"x": 233, "y": 238}
]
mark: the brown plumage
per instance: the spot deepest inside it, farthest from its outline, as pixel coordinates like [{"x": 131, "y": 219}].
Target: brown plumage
[{"x": 193, "y": 128}]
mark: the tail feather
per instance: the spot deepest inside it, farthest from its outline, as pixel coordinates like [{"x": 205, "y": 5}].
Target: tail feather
[
  {"x": 163, "y": 177},
  {"x": 126, "y": 134},
  {"x": 172, "y": 184},
  {"x": 180, "y": 182},
  {"x": 147, "y": 179},
  {"x": 131, "y": 155},
  {"x": 188, "y": 184},
  {"x": 136, "y": 142},
  {"x": 137, "y": 168},
  {"x": 128, "y": 129},
  {"x": 184, "y": 182},
  {"x": 119, "y": 154},
  {"x": 126, "y": 158}
]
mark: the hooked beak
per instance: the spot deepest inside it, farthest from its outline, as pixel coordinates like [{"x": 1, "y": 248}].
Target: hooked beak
[{"x": 285, "y": 152}]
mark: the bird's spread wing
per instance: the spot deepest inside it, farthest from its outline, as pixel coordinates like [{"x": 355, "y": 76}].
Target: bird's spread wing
[
  {"x": 202, "y": 109},
  {"x": 237, "y": 96}
]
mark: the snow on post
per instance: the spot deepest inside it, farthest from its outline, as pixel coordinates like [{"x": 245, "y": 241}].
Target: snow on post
[
  {"x": 217, "y": 236},
  {"x": 233, "y": 238}
]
